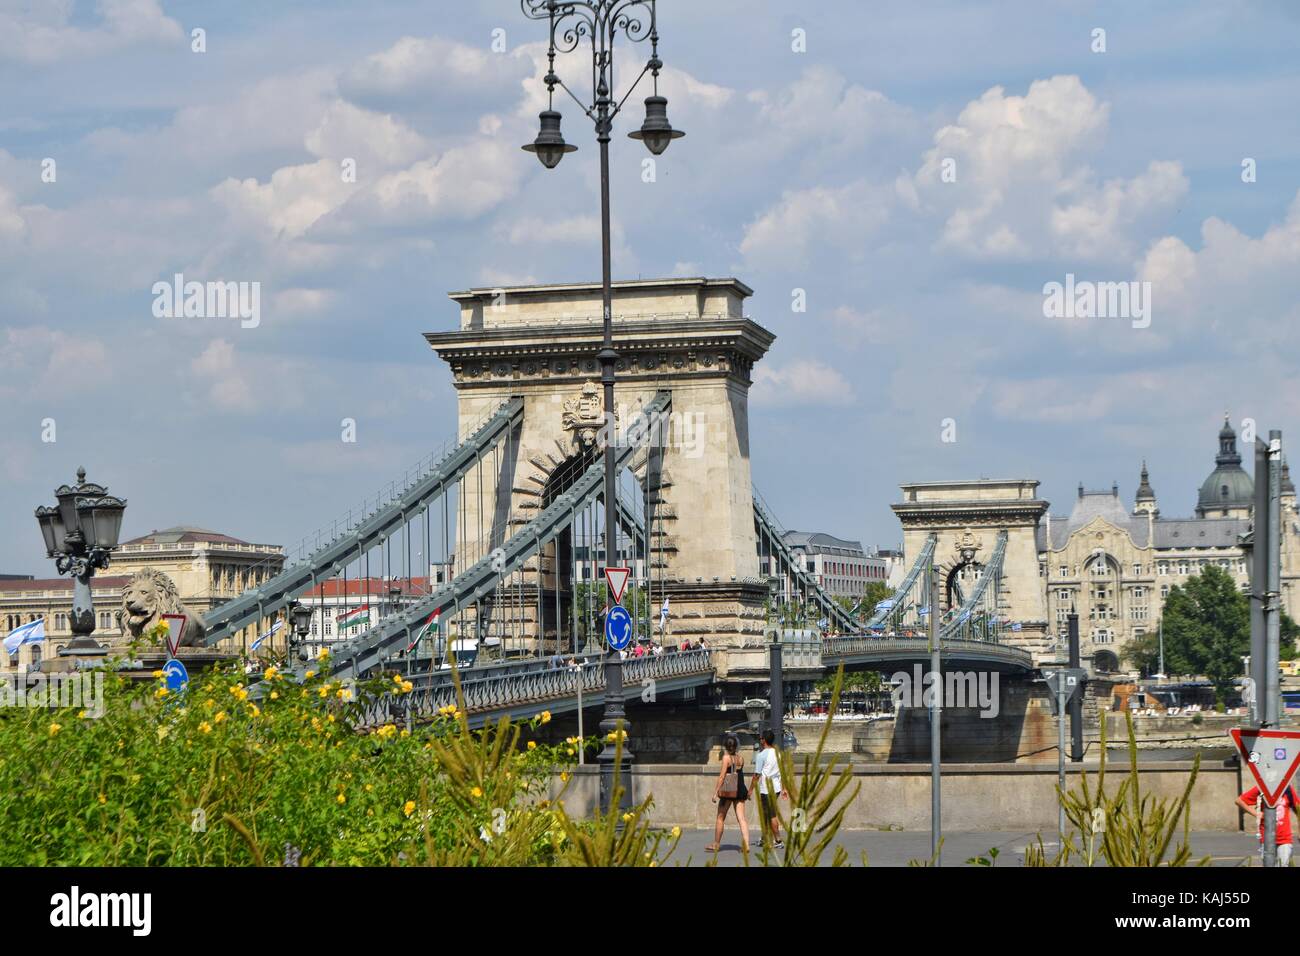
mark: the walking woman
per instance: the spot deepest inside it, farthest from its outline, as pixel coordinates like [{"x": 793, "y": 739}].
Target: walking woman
[{"x": 730, "y": 792}]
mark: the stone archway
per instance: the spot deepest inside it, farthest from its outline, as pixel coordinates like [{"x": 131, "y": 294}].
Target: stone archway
[{"x": 689, "y": 337}]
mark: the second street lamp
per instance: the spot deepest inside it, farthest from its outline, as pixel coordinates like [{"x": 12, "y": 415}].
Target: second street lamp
[{"x": 599, "y": 22}]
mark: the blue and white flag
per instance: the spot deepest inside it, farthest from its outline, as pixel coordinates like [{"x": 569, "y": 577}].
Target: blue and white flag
[
  {"x": 32, "y": 633},
  {"x": 274, "y": 628},
  {"x": 663, "y": 615},
  {"x": 823, "y": 624},
  {"x": 1015, "y": 625},
  {"x": 924, "y": 611},
  {"x": 884, "y": 605}
]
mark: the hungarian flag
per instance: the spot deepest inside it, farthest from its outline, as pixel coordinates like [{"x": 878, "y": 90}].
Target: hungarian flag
[
  {"x": 360, "y": 615},
  {"x": 429, "y": 627}
]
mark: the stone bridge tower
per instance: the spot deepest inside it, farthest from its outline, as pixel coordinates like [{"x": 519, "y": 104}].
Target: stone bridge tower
[
  {"x": 686, "y": 336},
  {"x": 967, "y": 516}
]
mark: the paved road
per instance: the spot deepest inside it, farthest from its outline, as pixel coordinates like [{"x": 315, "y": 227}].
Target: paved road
[{"x": 886, "y": 848}]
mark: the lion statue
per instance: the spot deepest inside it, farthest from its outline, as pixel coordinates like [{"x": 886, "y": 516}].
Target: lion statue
[{"x": 147, "y": 597}]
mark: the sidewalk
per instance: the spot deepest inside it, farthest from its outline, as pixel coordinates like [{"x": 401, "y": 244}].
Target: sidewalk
[{"x": 896, "y": 848}]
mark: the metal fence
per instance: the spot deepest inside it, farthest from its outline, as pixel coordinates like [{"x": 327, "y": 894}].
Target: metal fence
[{"x": 513, "y": 685}]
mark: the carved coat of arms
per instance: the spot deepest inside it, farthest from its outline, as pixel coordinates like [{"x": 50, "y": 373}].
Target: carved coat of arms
[
  {"x": 967, "y": 545},
  {"x": 584, "y": 415}
]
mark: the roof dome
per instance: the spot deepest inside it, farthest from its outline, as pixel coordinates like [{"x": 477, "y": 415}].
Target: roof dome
[{"x": 1228, "y": 486}]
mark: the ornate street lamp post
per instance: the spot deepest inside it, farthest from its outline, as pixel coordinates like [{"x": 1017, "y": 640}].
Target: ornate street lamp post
[
  {"x": 300, "y": 625},
  {"x": 80, "y": 533},
  {"x": 599, "y": 22}
]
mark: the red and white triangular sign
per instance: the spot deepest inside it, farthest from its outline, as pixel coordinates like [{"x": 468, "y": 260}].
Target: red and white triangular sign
[
  {"x": 1272, "y": 756},
  {"x": 617, "y": 578},
  {"x": 175, "y": 630}
]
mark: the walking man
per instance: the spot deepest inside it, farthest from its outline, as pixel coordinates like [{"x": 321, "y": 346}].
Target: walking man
[{"x": 767, "y": 774}]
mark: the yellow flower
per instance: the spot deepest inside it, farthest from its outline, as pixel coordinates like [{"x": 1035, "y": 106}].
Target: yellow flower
[
  {"x": 571, "y": 751},
  {"x": 275, "y": 695},
  {"x": 532, "y": 745},
  {"x": 407, "y": 687},
  {"x": 221, "y": 715},
  {"x": 397, "y": 678},
  {"x": 324, "y": 689},
  {"x": 270, "y": 672},
  {"x": 460, "y": 714},
  {"x": 676, "y": 832},
  {"x": 627, "y": 818},
  {"x": 344, "y": 694},
  {"x": 408, "y": 807},
  {"x": 316, "y": 724},
  {"x": 544, "y": 716},
  {"x": 476, "y": 792},
  {"x": 103, "y": 798},
  {"x": 330, "y": 718},
  {"x": 163, "y": 731},
  {"x": 565, "y": 776},
  {"x": 254, "y": 711},
  {"x": 324, "y": 654},
  {"x": 205, "y": 727},
  {"x": 341, "y": 799},
  {"x": 158, "y": 674},
  {"x": 404, "y": 733},
  {"x": 55, "y": 728},
  {"x": 310, "y": 674},
  {"x": 81, "y": 715},
  {"x": 387, "y": 730},
  {"x": 369, "y": 786},
  {"x": 209, "y": 703},
  {"x": 160, "y": 693}
]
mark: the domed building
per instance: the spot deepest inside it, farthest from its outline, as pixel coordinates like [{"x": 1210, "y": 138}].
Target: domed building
[
  {"x": 1116, "y": 567},
  {"x": 1229, "y": 492}
]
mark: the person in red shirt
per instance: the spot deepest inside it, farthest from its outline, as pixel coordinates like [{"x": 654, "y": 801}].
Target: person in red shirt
[{"x": 1252, "y": 803}]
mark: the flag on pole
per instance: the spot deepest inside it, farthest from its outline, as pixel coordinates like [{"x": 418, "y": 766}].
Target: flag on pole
[
  {"x": 1015, "y": 625},
  {"x": 273, "y": 630},
  {"x": 353, "y": 618},
  {"x": 663, "y": 615},
  {"x": 430, "y": 627},
  {"x": 32, "y": 633}
]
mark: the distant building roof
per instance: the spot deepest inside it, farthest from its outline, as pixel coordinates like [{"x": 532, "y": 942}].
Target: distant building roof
[
  {"x": 818, "y": 541},
  {"x": 184, "y": 534},
  {"x": 106, "y": 582},
  {"x": 1228, "y": 486}
]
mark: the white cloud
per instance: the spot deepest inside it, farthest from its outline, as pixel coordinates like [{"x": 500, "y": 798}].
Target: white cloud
[
  {"x": 1239, "y": 288},
  {"x": 41, "y": 33},
  {"x": 1016, "y": 186},
  {"x": 840, "y": 217},
  {"x": 228, "y": 386},
  {"x": 801, "y": 382}
]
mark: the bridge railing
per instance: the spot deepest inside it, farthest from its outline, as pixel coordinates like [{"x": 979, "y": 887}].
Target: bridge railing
[{"x": 536, "y": 686}]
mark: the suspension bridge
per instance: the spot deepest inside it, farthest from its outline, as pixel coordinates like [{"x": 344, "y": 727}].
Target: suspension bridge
[{"x": 504, "y": 529}]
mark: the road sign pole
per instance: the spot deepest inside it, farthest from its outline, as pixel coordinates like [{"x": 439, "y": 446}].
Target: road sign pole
[
  {"x": 1259, "y": 560},
  {"x": 1272, "y": 619},
  {"x": 936, "y": 715},
  {"x": 1062, "y": 702}
]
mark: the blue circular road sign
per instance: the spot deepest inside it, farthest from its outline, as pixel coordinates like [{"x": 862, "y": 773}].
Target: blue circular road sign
[
  {"x": 176, "y": 676},
  {"x": 618, "y": 627}
]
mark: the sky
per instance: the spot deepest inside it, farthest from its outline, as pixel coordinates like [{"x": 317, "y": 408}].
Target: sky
[{"x": 917, "y": 173}]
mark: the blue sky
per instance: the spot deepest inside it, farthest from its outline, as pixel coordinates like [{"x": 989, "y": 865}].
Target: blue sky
[{"x": 816, "y": 170}]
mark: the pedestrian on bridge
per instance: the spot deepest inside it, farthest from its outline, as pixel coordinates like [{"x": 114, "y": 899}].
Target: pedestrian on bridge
[
  {"x": 730, "y": 793},
  {"x": 767, "y": 776},
  {"x": 1252, "y": 801}
]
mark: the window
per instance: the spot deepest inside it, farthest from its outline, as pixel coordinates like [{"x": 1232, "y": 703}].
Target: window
[
  {"x": 1164, "y": 590},
  {"x": 1042, "y": 569},
  {"x": 1182, "y": 566},
  {"x": 1138, "y": 612},
  {"x": 329, "y": 627},
  {"x": 1139, "y": 593},
  {"x": 1064, "y": 571},
  {"x": 1137, "y": 570},
  {"x": 1163, "y": 567}
]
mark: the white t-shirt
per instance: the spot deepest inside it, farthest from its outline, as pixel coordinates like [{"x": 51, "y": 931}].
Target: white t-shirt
[{"x": 766, "y": 768}]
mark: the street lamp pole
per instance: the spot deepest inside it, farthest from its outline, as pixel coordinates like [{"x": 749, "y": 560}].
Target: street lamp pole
[
  {"x": 80, "y": 533},
  {"x": 599, "y": 22}
]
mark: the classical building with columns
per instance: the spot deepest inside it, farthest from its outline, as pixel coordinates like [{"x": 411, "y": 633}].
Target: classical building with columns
[
  {"x": 1117, "y": 565},
  {"x": 1113, "y": 564}
]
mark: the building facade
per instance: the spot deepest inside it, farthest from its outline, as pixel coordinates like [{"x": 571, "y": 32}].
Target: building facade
[
  {"x": 1116, "y": 566},
  {"x": 207, "y": 567},
  {"x": 841, "y": 567}
]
